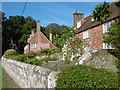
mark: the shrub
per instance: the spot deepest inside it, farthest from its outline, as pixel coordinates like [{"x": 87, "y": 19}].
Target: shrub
[
  {"x": 50, "y": 51},
  {"x": 46, "y": 51},
  {"x": 80, "y": 76},
  {"x": 10, "y": 52},
  {"x": 49, "y": 59},
  {"x": 55, "y": 50}
]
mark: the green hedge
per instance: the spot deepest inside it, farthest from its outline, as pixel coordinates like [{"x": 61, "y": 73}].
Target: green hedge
[
  {"x": 10, "y": 52},
  {"x": 80, "y": 76},
  {"x": 30, "y": 59},
  {"x": 50, "y": 51}
]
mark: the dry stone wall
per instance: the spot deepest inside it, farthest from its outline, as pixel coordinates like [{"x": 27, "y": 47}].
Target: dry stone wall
[
  {"x": 29, "y": 76},
  {"x": 99, "y": 59}
]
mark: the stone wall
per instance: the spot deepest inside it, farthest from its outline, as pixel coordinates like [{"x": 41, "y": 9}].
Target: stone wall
[
  {"x": 99, "y": 59},
  {"x": 29, "y": 76}
]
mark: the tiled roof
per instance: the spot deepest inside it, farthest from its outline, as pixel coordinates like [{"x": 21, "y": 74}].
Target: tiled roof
[
  {"x": 88, "y": 23},
  {"x": 34, "y": 38}
]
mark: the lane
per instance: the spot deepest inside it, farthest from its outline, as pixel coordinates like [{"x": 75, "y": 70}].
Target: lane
[{"x": 6, "y": 80}]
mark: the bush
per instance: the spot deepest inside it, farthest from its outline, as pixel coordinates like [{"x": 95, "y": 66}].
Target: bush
[
  {"x": 38, "y": 62},
  {"x": 50, "y": 51},
  {"x": 80, "y": 76},
  {"x": 10, "y": 52},
  {"x": 56, "y": 50},
  {"x": 46, "y": 51}
]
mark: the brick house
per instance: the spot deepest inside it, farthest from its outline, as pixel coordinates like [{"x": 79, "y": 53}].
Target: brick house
[
  {"x": 92, "y": 31},
  {"x": 38, "y": 41}
]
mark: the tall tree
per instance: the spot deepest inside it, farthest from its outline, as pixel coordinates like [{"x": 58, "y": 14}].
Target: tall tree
[
  {"x": 16, "y": 30},
  {"x": 54, "y": 28},
  {"x": 101, "y": 12}
]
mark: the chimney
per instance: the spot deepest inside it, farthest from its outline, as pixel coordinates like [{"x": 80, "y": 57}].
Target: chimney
[
  {"x": 38, "y": 25},
  {"x": 50, "y": 36},
  {"x": 77, "y": 18},
  {"x": 38, "y": 30}
]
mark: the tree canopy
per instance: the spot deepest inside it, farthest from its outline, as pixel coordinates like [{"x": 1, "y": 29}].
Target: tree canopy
[
  {"x": 101, "y": 12},
  {"x": 16, "y": 30}
]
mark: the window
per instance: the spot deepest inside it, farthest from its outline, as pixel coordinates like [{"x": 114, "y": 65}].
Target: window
[
  {"x": 33, "y": 45},
  {"x": 106, "y": 26},
  {"x": 79, "y": 24},
  {"x": 107, "y": 46},
  {"x": 92, "y": 19},
  {"x": 86, "y": 34}
]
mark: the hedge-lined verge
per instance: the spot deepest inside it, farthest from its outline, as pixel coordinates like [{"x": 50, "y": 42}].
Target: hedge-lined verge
[
  {"x": 81, "y": 76},
  {"x": 30, "y": 58}
]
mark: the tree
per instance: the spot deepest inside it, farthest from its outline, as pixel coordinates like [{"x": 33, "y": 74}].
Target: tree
[
  {"x": 16, "y": 30},
  {"x": 113, "y": 37},
  {"x": 61, "y": 38},
  {"x": 101, "y": 12},
  {"x": 117, "y": 3},
  {"x": 54, "y": 28}
]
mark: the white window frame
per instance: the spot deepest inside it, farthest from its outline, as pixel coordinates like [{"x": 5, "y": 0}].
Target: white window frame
[
  {"x": 106, "y": 26},
  {"x": 32, "y": 45},
  {"x": 86, "y": 34},
  {"x": 107, "y": 46},
  {"x": 78, "y": 24}
]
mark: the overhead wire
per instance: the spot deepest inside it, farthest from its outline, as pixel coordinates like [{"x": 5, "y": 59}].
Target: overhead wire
[{"x": 24, "y": 8}]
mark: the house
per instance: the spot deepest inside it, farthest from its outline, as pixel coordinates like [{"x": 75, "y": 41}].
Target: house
[
  {"x": 92, "y": 31},
  {"x": 38, "y": 41}
]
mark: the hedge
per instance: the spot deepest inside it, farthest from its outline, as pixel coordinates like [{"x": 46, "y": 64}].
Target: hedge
[{"x": 81, "y": 76}]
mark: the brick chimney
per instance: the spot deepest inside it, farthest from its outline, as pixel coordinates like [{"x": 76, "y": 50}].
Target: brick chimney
[
  {"x": 50, "y": 36},
  {"x": 38, "y": 30},
  {"x": 77, "y": 19}
]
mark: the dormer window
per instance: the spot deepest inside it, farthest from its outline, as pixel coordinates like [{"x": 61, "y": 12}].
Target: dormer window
[{"x": 78, "y": 24}]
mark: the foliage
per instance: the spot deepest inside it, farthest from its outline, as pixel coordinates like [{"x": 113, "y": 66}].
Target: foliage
[
  {"x": 48, "y": 52},
  {"x": 10, "y": 52},
  {"x": 73, "y": 49},
  {"x": 113, "y": 37},
  {"x": 30, "y": 58},
  {"x": 60, "y": 40},
  {"x": 54, "y": 28},
  {"x": 16, "y": 31},
  {"x": 56, "y": 50},
  {"x": 81, "y": 76},
  {"x": 117, "y": 3},
  {"x": 101, "y": 12}
]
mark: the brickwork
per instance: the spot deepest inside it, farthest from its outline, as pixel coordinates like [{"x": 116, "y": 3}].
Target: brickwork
[
  {"x": 96, "y": 35},
  {"x": 95, "y": 40}
]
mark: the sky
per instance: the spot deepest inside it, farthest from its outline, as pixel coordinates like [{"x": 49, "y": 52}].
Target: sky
[{"x": 49, "y": 12}]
